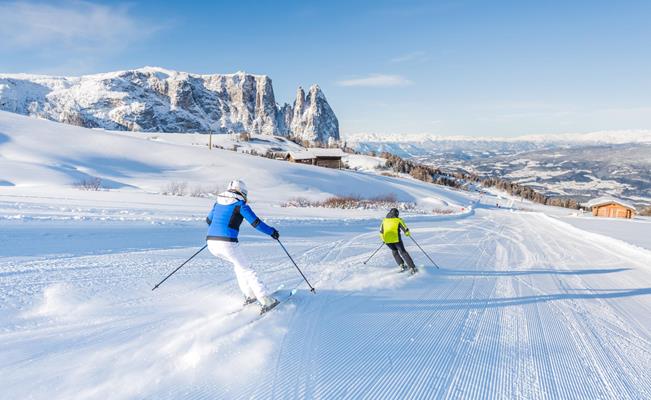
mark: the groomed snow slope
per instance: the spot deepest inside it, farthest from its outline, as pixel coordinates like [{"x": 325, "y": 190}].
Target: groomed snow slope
[{"x": 524, "y": 306}]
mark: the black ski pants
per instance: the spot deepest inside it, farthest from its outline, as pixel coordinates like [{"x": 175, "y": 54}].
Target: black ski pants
[{"x": 400, "y": 254}]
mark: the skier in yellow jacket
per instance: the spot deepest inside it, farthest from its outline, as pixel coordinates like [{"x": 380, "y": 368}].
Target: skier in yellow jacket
[{"x": 390, "y": 234}]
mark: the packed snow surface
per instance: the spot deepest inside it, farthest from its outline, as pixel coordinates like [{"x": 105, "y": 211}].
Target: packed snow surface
[
  {"x": 524, "y": 305},
  {"x": 636, "y": 232}
]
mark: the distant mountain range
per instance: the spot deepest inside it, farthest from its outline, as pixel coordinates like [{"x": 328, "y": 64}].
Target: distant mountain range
[
  {"x": 599, "y": 137},
  {"x": 154, "y": 99},
  {"x": 580, "y": 166}
]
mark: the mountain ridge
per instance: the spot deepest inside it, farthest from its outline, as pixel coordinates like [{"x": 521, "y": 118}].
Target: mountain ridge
[
  {"x": 155, "y": 99},
  {"x": 604, "y": 136}
]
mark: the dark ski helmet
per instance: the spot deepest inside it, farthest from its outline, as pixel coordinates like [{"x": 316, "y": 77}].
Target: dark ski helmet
[{"x": 393, "y": 213}]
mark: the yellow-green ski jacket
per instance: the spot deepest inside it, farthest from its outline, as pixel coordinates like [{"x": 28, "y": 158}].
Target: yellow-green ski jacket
[{"x": 390, "y": 229}]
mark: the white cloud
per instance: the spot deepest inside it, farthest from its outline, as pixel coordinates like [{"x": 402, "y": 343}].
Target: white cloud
[
  {"x": 70, "y": 25},
  {"x": 376, "y": 80},
  {"x": 408, "y": 57}
]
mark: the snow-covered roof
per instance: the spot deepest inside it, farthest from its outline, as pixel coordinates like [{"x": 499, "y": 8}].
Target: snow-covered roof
[
  {"x": 309, "y": 154},
  {"x": 608, "y": 200},
  {"x": 301, "y": 155},
  {"x": 317, "y": 152}
]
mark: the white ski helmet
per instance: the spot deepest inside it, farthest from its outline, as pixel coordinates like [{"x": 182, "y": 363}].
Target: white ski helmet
[{"x": 238, "y": 186}]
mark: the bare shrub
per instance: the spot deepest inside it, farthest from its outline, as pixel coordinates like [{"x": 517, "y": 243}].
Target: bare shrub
[
  {"x": 442, "y": 211},
  {"x": 298, "y": 202},
  {"x": 354, "y": 202},
  {"x": 350, "y": 201},
  {"x": 92, "y": 184},
  {"x": 175, "y": 189}
]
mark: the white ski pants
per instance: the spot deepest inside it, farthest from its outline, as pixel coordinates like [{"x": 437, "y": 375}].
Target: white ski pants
[{"x": 247, "y": 279}]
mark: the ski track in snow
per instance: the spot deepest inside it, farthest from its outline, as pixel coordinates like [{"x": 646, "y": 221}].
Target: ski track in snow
[{"x": 522, "y": 308}]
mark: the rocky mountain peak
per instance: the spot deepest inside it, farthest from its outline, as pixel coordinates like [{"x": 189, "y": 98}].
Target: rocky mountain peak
[{"x": 154, "y": 99}]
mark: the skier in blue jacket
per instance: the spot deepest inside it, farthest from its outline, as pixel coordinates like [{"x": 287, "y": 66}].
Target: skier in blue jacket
[{"x": 223, "y": 228}]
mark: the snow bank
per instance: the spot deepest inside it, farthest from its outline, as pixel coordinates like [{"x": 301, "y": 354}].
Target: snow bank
[{"x": 611, "y": 244}]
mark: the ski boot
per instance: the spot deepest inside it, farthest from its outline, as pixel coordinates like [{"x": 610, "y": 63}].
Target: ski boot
[
  {"x": 413, "y": 270},
  {"x": 249, "y": 300},
  {"x": 268, "y": 304},
  {"x": 403, "y": 268}
]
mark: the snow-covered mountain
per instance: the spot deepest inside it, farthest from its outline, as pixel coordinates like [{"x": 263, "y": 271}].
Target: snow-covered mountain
[
  {"x": 158, "y": 100},
  {"x": 597, "y": 137}
]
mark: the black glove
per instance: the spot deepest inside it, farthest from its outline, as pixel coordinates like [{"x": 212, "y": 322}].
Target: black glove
[{"x": 275, "y": 234}]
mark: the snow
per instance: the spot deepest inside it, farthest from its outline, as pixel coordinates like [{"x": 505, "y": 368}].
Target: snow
[
  {"x": 364, "y": 163},
  {"x": 301, "y": 155},
  {"x": 525, "y": 305},
  {"x": 257, "y": 143},
  {"x": 311, "y": 153},
  {"x": 32, "y": 158},
  {"x": 636, "y": 231},
  {"x": 317, "y": 152}
]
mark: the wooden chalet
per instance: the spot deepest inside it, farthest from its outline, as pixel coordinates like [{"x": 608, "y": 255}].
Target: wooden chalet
[
  {"x": 611, "y": 208},
  {"x": 329, "y": 158}
]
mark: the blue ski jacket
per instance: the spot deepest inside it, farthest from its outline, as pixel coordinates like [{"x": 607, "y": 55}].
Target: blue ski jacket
[{"x": 227, "y": 215}]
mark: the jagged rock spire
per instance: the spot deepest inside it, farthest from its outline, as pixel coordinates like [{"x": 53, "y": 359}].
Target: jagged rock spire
[{"x": 154, "y": 99}]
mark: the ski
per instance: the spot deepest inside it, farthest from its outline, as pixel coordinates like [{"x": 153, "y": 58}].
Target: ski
[
  {"x": 246, "y": 303},
  {"x": 281, "y": 297},
  {"x": 249, "y": 300},
  {"x": 250, "y": 316}
]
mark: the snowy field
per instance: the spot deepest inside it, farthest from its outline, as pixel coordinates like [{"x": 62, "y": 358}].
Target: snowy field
[
  {"x": 636, "y": 231},
  {"x": 524, "y": 305}
]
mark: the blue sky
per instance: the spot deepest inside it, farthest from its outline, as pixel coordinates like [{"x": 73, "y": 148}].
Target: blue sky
[{"x": 441, "y": 67}]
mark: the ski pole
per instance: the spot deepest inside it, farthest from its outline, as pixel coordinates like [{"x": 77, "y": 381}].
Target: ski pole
[
  {"x": 378, "y": 249},
  {"x": 299, "y": 270},
  {"x": 421, "y": 249},
  {"x": 179, "y": 267}
]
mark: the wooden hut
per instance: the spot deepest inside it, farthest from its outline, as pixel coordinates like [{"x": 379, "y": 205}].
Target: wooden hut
[
  {"x": 329, "y": 158},
  {"x": 301, "y": 157},
  {"x": 611, "y": 208}
]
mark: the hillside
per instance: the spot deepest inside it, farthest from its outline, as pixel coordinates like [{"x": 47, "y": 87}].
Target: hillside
[{"x": 32, "y": 157}]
